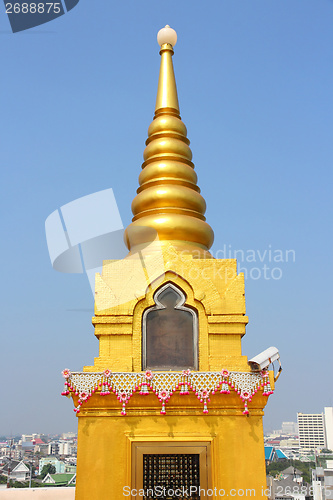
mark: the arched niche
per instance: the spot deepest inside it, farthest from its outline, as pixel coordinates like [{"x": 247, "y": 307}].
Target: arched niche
[{"x": 169, "y": 332}]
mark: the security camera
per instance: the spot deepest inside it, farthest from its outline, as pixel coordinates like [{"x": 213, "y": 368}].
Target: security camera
[{"x": 264, "y": 359}]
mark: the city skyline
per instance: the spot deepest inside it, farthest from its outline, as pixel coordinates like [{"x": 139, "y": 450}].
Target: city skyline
[{"x": 70, "y": 432}]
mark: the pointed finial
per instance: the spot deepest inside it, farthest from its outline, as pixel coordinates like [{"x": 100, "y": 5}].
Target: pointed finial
[
  {"x": 167, "y": 35},
  {"x": 167, "y": 99},
  {"x": 168, "y": 203}
]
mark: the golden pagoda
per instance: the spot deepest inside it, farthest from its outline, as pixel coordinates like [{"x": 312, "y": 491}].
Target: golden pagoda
[{"x": 171, "y": 408}]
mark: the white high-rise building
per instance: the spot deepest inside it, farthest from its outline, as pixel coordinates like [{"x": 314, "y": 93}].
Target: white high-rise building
[
  {"x": 65, "y": 448},
  {"x": 328, "y": 411},
  {"x": 311, "y": 430},
  {"x": 29, "y": 437}
]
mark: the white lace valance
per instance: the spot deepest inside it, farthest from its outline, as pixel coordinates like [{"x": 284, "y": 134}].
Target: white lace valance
[{"x": 164, "y": 384}]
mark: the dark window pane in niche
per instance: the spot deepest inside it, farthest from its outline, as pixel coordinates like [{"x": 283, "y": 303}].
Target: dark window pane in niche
[{"x": 170, "y": 333}]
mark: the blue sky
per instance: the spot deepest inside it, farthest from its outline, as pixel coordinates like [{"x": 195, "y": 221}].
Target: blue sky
[{"x": 77, "y": 96}]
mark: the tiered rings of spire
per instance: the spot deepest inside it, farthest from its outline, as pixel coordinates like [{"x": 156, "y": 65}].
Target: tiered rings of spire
[{"x": 168, "y": 205}]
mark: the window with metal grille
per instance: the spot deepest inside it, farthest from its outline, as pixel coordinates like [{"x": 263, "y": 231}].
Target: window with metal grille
[{"x": 170, "y": 473}]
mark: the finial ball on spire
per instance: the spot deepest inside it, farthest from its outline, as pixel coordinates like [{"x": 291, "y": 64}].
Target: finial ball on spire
[{"x": 167, "y": 35}]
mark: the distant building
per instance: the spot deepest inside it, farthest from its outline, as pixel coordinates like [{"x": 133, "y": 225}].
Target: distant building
[
  {"x": 311, "y": 430},
  {"x": 29, "y": 437},
  {"x": 273, "y": 455},
  {"x": 286, "y": 489},
  {"x": 328, "y": 413},
  {"x": 280, "y": 455},
  {"x": 53, "y": 448},
  {"x": 269, "y": 454},
  {"x": 316, "y": 429},
  {"x": 289, "y": 428},
  {"x": 323, "y": 479},
  {"x": 68, "y": 435},
  {"x": 289, "y": 443},
  {"x": 11, "y": 450},
  {"x": 66, "y": 448},
  {"x": 59, "y": 466},
  {"x": 292, "y": 473},
  {"x": 60, "y": 479},
  {"x": 18, "y": 471},
  {"x": 273, "y": 442}
]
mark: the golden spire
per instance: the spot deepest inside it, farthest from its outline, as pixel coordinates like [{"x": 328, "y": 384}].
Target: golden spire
[{"x": 168, "y": 204}]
